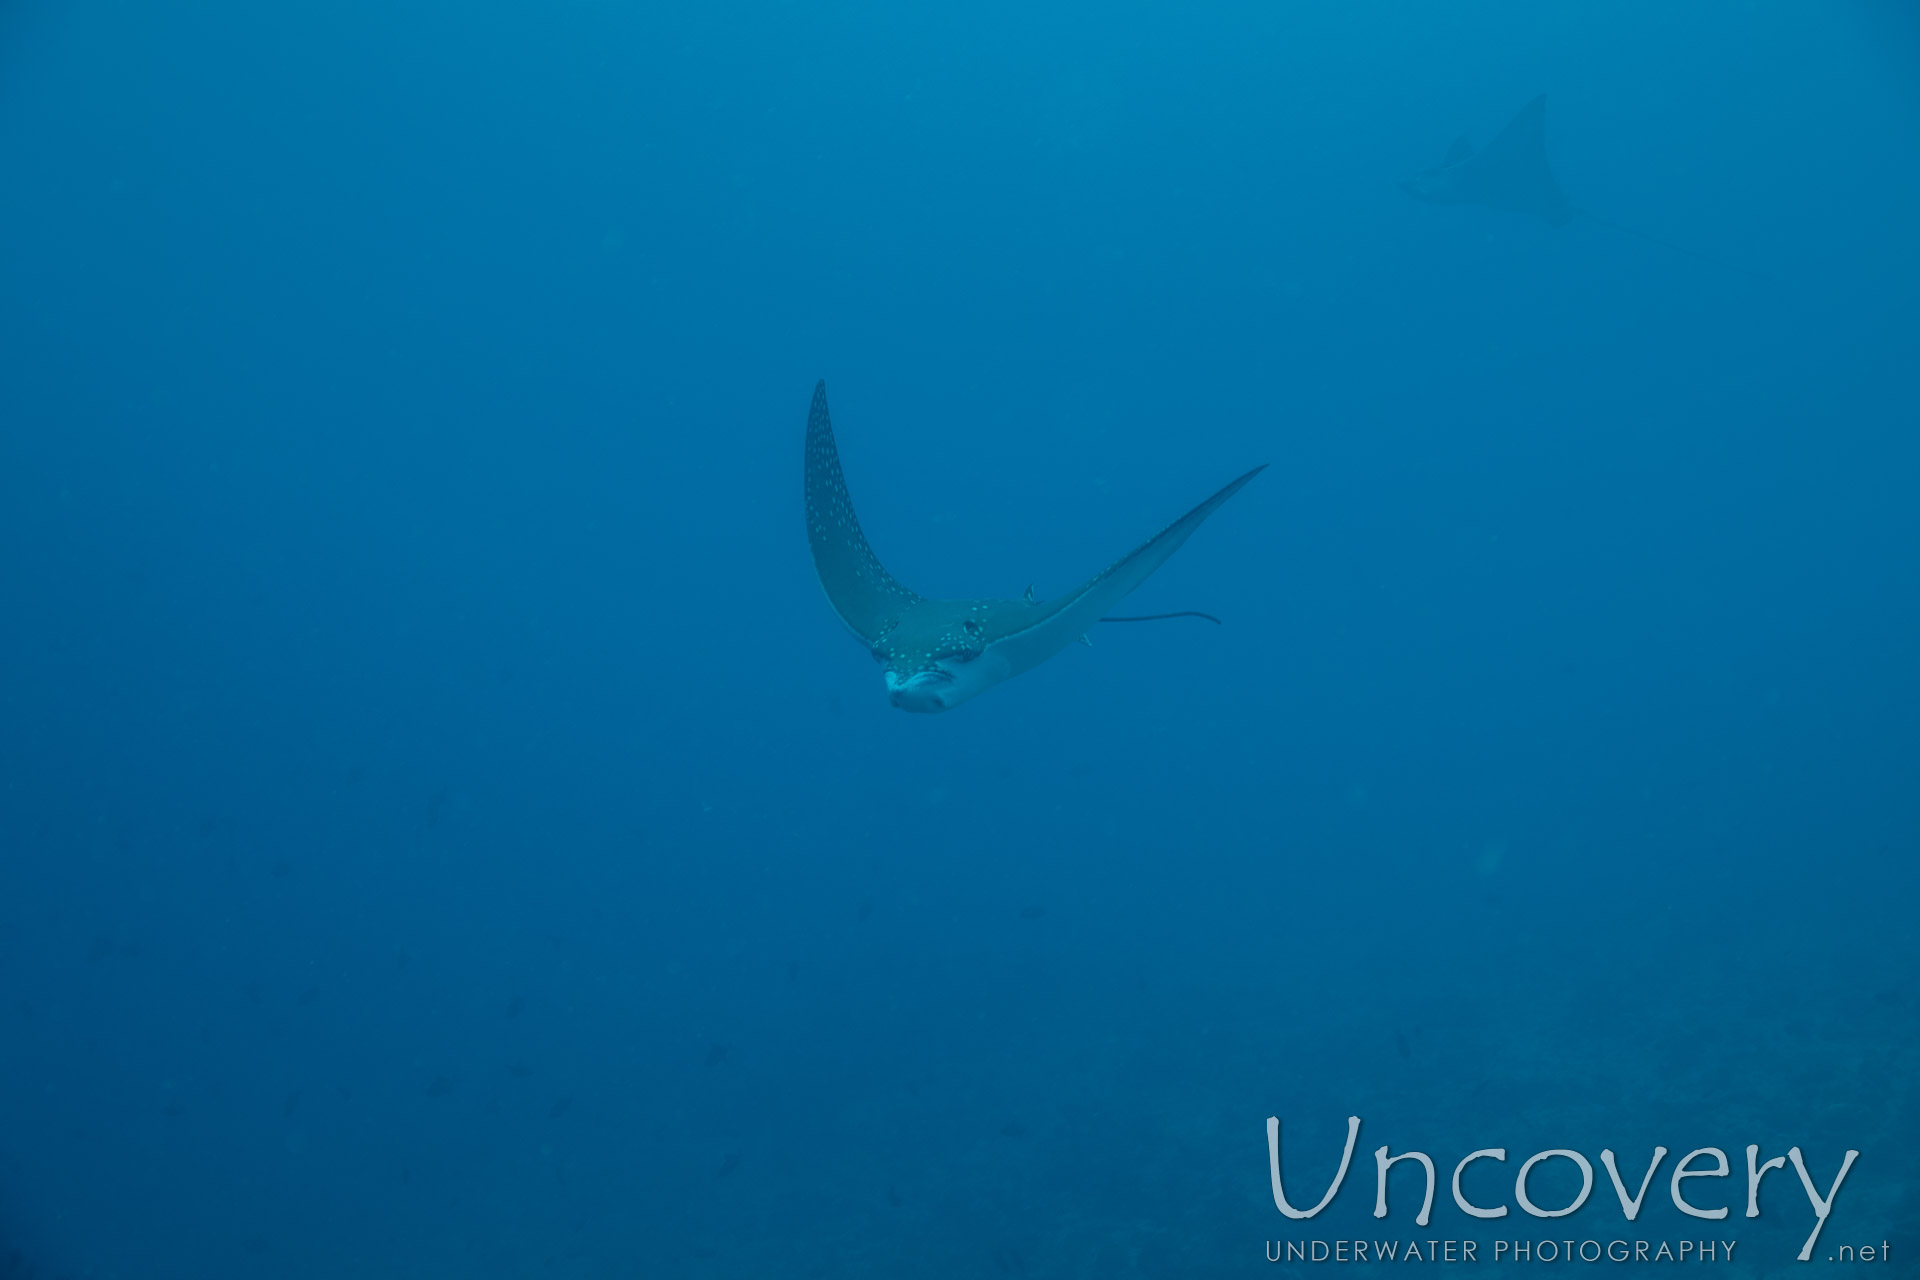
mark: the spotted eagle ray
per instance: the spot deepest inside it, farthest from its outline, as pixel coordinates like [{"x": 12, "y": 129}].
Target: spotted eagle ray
[
  {"x": 1511, "y": 173},
  {"x": 939, "y": 653}
]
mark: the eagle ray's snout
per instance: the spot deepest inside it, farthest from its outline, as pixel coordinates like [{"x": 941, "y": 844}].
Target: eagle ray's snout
[{"x": 921, "y": 691}]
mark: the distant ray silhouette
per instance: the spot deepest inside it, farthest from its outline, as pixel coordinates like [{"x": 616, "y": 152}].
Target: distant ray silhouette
[{"x": 1512, "y": 174}]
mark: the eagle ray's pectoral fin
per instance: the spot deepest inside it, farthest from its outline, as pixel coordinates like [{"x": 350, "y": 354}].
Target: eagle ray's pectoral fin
[
  {"x": 1060, "y": 622},
  {"x": 867, "y": 598}
]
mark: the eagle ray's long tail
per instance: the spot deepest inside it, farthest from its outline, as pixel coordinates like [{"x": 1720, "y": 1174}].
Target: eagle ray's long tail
[{"x": 1155, "y": 617}]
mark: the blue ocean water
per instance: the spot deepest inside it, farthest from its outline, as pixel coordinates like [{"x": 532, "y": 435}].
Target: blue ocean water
[{"x": 444, "y": 831}]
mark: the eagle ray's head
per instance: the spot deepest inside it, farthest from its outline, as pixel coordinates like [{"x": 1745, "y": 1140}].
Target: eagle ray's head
[{"x": 936, "y": 656}]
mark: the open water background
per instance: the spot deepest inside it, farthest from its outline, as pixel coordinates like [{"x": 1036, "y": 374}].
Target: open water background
[{"x": 445, "y": 833}]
